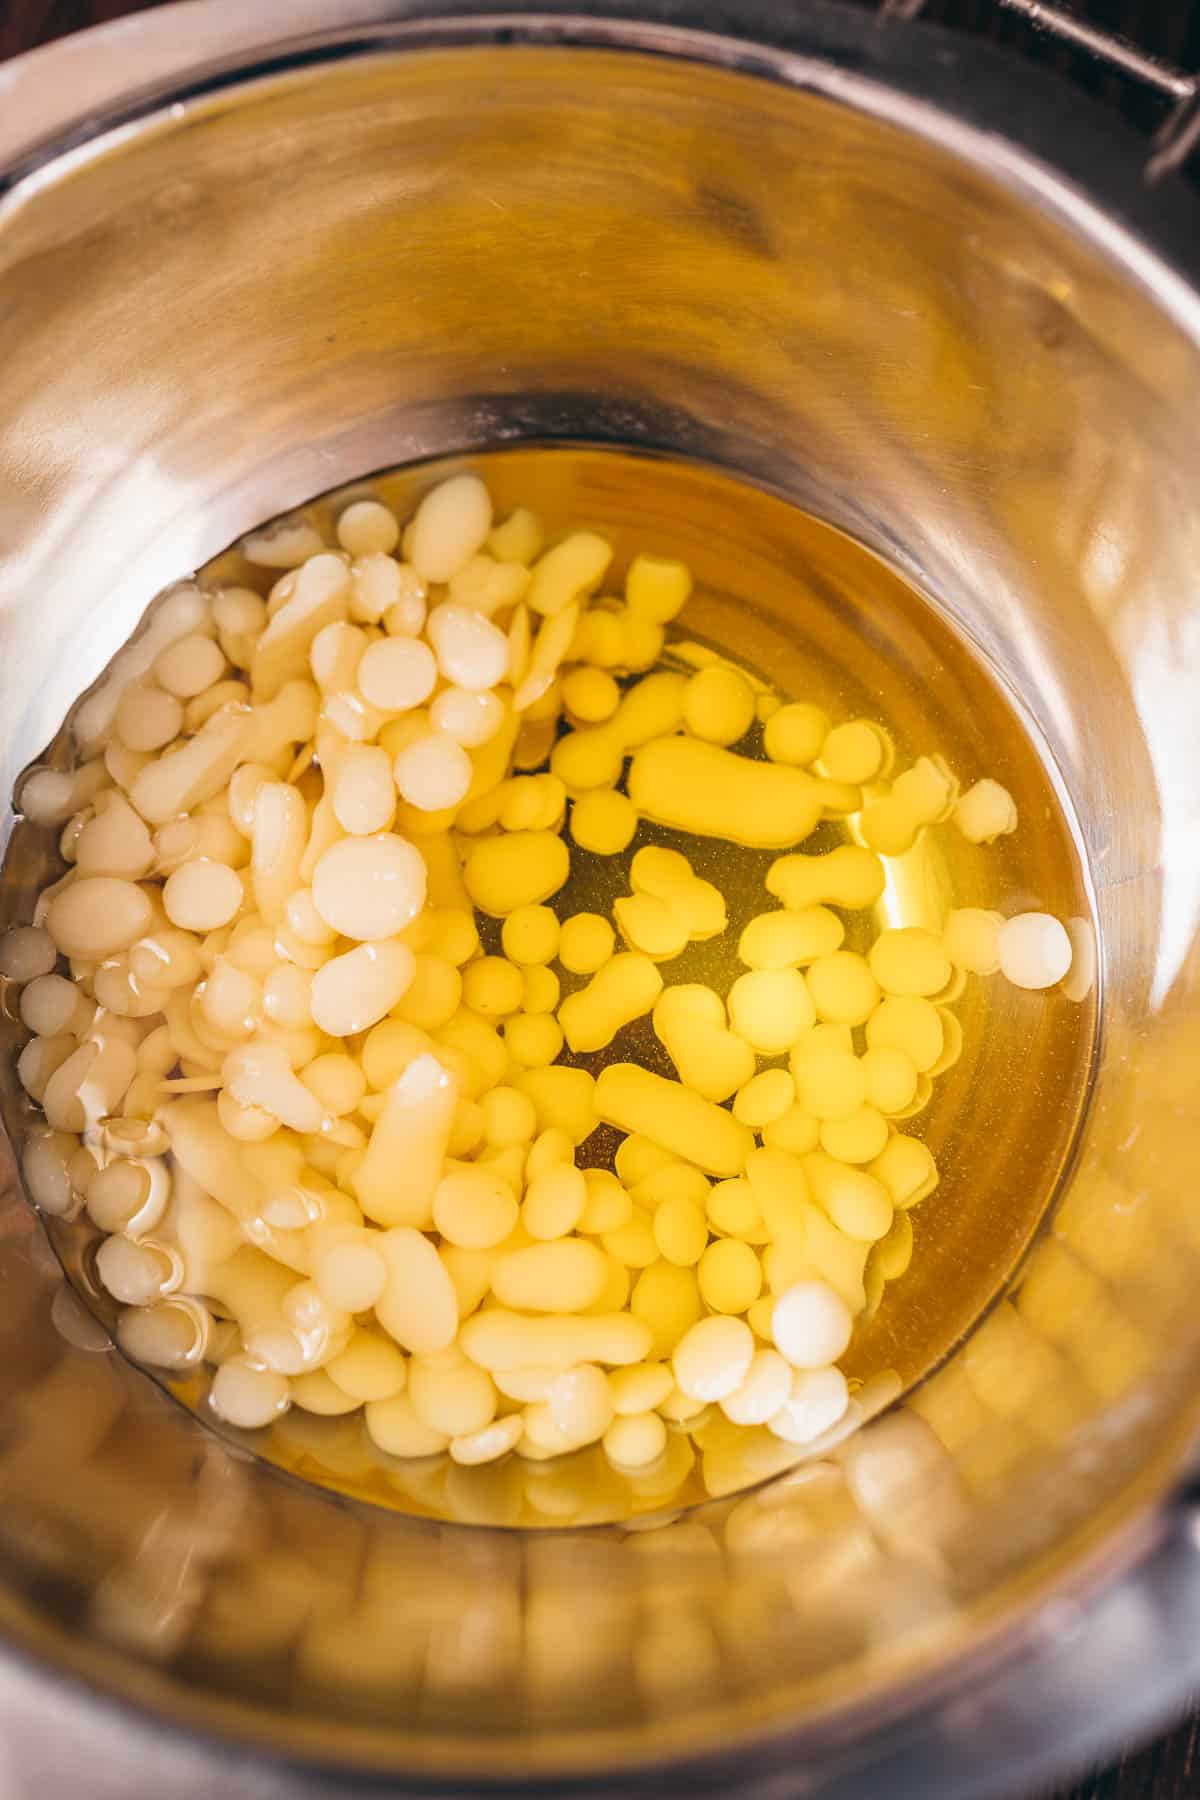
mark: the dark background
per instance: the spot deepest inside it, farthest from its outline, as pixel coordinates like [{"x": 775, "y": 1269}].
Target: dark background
[{"x": 1170, "y": 1768}]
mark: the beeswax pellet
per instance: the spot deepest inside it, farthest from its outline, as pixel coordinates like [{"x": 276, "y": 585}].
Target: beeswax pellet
[
  {"x": 764, "y": 1098},
  {"x": 910, "y": 1024},
  {"x": 565, "y": 1276},
  {"x": 674, "y": 1116},
  {"x": 970, "y": 939},
  {"x": 586, "y": 942},
  {"x": 712, "y": 1360},
  {"x": 730, "y": 1276},
  {"x": 700, "y": 788},
  {"x": 794, "y": 733},
  {"x": 770, "y": 1008},
  {"x": 474, "y": 1208},
  {"x": 766, "y": 1388},
  {"x": 785, "y": 939},
  {"x": 719, "y": 705},
  {"x": 853, "y": 752},
  {"x": 554, "y": 1201},
  {"x": 842, "y": 988},
  {"x": 624, "y": 989},
  {"x": 530, "y": 935},
  {"x": 518, "y": 868},
  {"x": 848, "y": 876},
  {"x": 603, "y": 822},
  {"x": 450, "y": 525},
  {"x": 817, "y": 1400},
  {"x": 369, "y": 887},
  {"x": 909, "y": 961},
  {"x": 985, "y": 812},
  {"x": 590, "y": 695},
  {"x": 657, "y": 588}
]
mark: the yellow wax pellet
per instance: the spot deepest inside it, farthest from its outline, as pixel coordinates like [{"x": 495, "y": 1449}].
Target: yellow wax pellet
[
  {"x": 518, "y": 539},
  {"x": 909, "y": 961},
  {"x": 599, "y": 639},
  {"x": 395, "y": 1428},
  {"x": 697, "y": 787},
  {"x": 590, "y": 695},
  {"x": 858, "y": 1138},
  {"x": 666, "y": 1298},
  {"x": 674, "y": 1180},
  {"x": 907, "y": 1170},
  {"x": 562, "y": 1097},
  {"x": 640, "y": 1387},
  {"x": 609, "y": 1204},
  {"x": 586, "y": 942},
  {"x": 518, "y": 868},
  {"x": 541, "y": 992},
  {"x": 554, "y": 1201},
  {"x": 765, "y": 1097},
  {"x": 681, "y": 1230},
  {"x": 795, "y": 733},
  {"x": 633, "y": 1244},
  {"x": 371, "y": 1367},
  {"x": 667, "y": 876},
  {"x": 908, "y": 1023},
  {"x": 454, "y": 1401},
  {"x": 433, "y": 995},
  {"x": 509, "y": 1117},
  {"x": 678, "y": 1118},
  {"x": 853, "y": 752},
  {"x": 856, "y": 1201},
  {"x": 388, "y": 1049},
  {"x": 474, "y": 1207},
  {"x": 533, "y": 1040},
  {"x": 548, "y": 1149},
  {"x": 589, "y": 759},
  {"x": 638, "y": 1157},
  {"x": 635, "y": 1442},
  {"x": 657, "y": 588},
  {"x": 493, "y": 987},
  {"x": 842, "y": 988},
  {"x": 771, "y": 1008},
  {"x": 891, "y": 1079},
  {"x": 571, "y": 569},
  {"x": 730, "y": 1276},
  {"x": 624, "y": 989},
  {"x": 337, "y": 1080},
  {"x": 497, "y": 1339},
  {"x": 985, "y": 812},
  {"x": 477, "y": 1050},
  {"x": 952, "y": 1042},
  {"x": 848, "y": 876},
  {"x": 733, "y": 1210},
  {"x": 651, "y": 926},
  {"x": 796, "y": 1130},
  {"x": 567, "y": 1275},
  {"x": 719, "y": 705},
  {"x": 603, "y": 822},
  {"x": 893, "y": 1253},
  {"x": 784, "y": 939},
  {"x": 970, "y": 939},
  {"x": 530, "y": 935},
  {"x": 690, "y": 1022}
]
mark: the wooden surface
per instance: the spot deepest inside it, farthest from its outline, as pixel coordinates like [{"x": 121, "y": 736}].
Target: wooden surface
[{"x": 1168, "y": 1769}]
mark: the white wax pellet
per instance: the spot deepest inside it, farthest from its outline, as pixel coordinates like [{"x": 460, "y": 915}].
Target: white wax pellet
[
  {"x": 433, "y": 773},
  {"x": 1034, "y": 950},
  {"x": 25, "y": 952},
  {"x": 50, "y": 1004},
  {"x": 172, "y": 1335},
  {"x": 186, "y": 667},
  {"x": 369, "y": 887},
  {"x": 148, "y": 717},
  {"x": 818, "y": 1399},
  {"x": 471, "y": 651},
  {"x": 396, "y": 673},
  {"x": 350, "y": 993},
  {"x": 97, "y": 916},
  {"x": 765, "y": 1389},
  {"x": 362, "y": 790},
  {"x": 449, "y": 526},
  {"x": 136, "y": 1274},
  {"x": 712, "y": 1359},
  {"x": 811, "y": 1325},
  {"x": 469, "y": 718},
  {"x": 247, "y": 1396},
  {"x": 202, "y": 895},
  {"x": 367, "y": 528}
]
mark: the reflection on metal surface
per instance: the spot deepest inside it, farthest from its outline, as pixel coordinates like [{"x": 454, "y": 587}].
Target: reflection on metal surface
[{"x": 921, "y": 336}]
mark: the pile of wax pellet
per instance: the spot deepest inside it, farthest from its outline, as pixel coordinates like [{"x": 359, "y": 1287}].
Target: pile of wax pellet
[{"x": 336, "y": 1151}]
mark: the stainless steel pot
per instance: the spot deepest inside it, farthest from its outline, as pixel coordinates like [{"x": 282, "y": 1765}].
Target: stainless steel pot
[{"x": 248, "y": 253}]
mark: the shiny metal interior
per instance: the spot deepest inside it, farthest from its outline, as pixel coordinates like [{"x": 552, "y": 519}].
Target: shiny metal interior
[{"x": 419, "y": 238}]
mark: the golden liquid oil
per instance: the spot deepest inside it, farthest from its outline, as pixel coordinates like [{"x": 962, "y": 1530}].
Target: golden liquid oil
[{"x": 814, "y": 616}]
